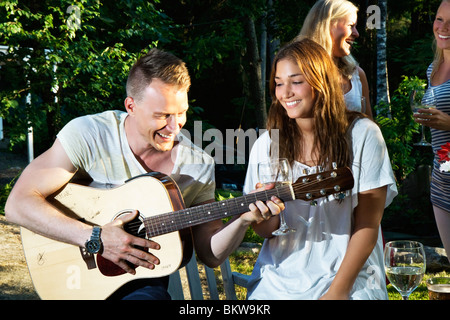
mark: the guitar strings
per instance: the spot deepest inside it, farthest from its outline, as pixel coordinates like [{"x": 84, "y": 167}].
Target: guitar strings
[
  {"x": 173, "y": 221},
  {"x": 181, "y": 216}
]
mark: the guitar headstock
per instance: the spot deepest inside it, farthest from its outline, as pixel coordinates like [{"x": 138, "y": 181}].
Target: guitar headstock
[{"x": 322, "y": 184}]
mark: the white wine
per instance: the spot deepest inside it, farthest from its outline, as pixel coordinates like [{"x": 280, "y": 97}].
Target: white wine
[
  {"x": 422, "y": 106},
  {"x": 405, "y": 279}
]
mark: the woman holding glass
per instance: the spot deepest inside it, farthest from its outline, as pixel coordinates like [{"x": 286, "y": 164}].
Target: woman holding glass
[
  {"x": 332, "y": 24},
  {"x": 438, "y": 119},
  {"x": 336, "y": 249}
]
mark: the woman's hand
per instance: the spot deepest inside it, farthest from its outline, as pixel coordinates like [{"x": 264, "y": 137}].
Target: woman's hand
[{"x": 433, "y": 118}]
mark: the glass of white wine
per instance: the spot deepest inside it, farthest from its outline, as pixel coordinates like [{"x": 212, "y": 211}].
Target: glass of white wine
[
  {"x": 405, "y": 264},
  {"x": 278, "y": 172},
  {"x": 421, "y": 99}
]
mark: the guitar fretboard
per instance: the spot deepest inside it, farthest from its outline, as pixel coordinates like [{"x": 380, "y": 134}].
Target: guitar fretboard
[{"x": 174, "y": 221}]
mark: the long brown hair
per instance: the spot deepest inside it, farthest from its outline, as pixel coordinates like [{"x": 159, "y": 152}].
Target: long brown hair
[{"x": 331, "y": 117}]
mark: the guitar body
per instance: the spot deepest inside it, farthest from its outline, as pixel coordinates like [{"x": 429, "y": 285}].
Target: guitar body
[{"x": 61, "y": 271}]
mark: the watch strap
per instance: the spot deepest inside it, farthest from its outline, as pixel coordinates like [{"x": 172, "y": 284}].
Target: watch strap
[{"x": 96, "y": 233}]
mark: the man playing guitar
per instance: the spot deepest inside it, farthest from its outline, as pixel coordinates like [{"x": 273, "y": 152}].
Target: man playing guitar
[{"x": 114, "y": 146}]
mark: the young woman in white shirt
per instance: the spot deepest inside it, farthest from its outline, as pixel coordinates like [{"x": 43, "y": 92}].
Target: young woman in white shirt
[{"x": 336, "y": 251}]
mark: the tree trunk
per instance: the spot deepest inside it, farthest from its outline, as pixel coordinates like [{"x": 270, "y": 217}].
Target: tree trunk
[
  {"x": 382, "y": 74},
  {"x": 255, "y": 85}
]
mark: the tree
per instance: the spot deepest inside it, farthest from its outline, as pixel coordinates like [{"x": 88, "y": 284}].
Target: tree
[
  {"x": 256, "y": 89},
  {"x": 382, "y": 71},
  {"x": 222, "y": 35},
  {"x": 71, "y": 60}
]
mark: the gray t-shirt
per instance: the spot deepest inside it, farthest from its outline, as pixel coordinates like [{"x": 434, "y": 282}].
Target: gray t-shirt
[{"x": 97, "y": 145}]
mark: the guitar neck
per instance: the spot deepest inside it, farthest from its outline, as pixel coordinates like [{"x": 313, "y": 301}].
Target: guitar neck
[
  {"x": 189, "y": 217},
  {"x": 306, "y": 188}
]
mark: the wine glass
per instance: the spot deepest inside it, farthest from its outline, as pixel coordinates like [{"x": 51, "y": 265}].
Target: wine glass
[
  {"x": 405, "y": 264},
  {"x": 278, "y": 172},
  {"x": 421, "y": 99}
]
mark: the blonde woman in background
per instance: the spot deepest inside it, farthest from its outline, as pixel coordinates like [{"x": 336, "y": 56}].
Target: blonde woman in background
[
  {"x": 438, "y": 119},
  {"x": 332, "y": 24}
]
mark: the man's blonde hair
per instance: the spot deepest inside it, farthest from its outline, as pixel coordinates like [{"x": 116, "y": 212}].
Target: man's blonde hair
[{"x": 157, "y": 64}]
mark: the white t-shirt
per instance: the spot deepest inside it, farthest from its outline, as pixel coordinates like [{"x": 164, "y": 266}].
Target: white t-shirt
[
  {"x": 303, "y": 264},
  {"x": 353, "y": 97},
  {"x": 97, "y": 145}
]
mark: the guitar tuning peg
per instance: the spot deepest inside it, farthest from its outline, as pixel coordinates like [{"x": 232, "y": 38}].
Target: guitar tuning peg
[
  {"x": 333, "y": 174},
  {"x": 305, "y": 172},
  {"x": 320, "y": 169},
  {"x": 340, "y": 196}
]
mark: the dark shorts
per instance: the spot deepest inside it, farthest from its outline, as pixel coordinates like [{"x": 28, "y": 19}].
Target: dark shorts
[{"x": 145, "y": 289}]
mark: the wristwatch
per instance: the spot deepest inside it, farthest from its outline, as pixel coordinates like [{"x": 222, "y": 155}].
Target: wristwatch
[{"x": 94, "y": 245}]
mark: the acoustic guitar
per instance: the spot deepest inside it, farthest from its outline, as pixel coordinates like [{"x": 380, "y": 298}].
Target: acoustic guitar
[{"x": 63, "y": 271}]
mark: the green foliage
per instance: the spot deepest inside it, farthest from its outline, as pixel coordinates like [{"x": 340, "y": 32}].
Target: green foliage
[
  {"x": 72, "y": 59},
  {"x": 407, "y": 213},
  {"x": 398, "y": 127},
  {"x": 4, "y": 193},
  {"x": 416, "y": 57}
]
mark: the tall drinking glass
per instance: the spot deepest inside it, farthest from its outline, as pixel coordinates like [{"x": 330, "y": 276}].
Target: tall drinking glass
[
  {"x": 405, "y": 264},
  {"x": 421, "y": 99},
  {"x": 278, "y": 172}
]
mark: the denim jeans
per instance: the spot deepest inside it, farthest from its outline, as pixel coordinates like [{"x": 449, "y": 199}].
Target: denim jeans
[{"x": 145, "y": 289}]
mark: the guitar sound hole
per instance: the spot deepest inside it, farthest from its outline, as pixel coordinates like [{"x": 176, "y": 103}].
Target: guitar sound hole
[{"x": 136, "y": 228}]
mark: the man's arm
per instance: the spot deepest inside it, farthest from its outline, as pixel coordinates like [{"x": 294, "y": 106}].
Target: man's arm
[
  {"x": 215, "y": 241},
  {"x": 28, "y": 207}
]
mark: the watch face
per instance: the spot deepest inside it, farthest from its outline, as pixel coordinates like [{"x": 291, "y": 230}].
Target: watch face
[{"x": 93, "y": 246}]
